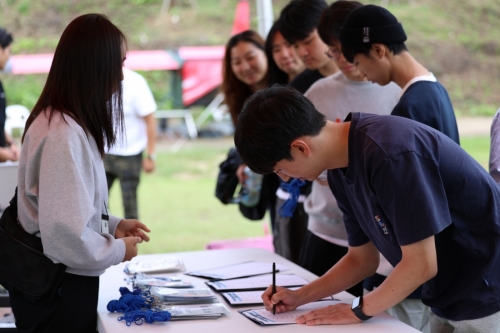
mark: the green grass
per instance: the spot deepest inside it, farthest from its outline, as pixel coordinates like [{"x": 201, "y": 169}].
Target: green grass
[
  {"x": 177, "y": 201},
  {"x": 178, "y": 204},
  {"x": 478, "y": 147}
]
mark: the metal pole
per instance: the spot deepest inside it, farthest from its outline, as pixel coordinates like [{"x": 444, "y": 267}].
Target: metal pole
[{"x": 264, "y": 16}]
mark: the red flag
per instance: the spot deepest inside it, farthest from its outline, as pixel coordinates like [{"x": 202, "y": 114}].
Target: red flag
[{"x": 241, "y": 17}]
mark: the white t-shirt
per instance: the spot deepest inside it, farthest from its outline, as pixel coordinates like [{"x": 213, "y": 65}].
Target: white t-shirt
[
  {"x": 138, "y": 102},
  {"x": 335, "y": 96}
]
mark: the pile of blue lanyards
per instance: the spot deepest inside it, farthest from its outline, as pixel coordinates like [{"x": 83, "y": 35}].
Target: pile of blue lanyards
[{"x": 132, "y": 305}]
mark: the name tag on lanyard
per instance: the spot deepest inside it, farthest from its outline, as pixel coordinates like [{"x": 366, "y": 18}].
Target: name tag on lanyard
[
  {"x": 105, "y": 221},
  {"x": 104, "y": 224}
]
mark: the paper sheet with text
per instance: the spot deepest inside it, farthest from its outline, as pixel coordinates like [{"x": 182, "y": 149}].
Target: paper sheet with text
[{"x": 264, "y": 317}]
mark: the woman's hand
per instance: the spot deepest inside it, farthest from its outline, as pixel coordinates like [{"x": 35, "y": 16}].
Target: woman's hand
[
  {"x": 132, "y": 228},
  {"x": 131, "y": 247},
  {"x": 15, "y": 152},
  {"x": 240, "y": 173}
]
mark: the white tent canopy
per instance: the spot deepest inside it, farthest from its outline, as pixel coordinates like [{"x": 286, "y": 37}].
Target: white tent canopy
[{"x": 264, "y": 16}]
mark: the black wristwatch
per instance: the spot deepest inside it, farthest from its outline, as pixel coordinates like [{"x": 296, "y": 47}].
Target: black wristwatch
[{"x": 356, "y": 308}]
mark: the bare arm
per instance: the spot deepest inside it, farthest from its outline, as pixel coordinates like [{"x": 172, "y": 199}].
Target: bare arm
[
  {"x": 418, "y": 265},
  {"x": 9, "y": 153},
  {"x": 148, "y": 164},
  {"x": 359, "y": 263}
]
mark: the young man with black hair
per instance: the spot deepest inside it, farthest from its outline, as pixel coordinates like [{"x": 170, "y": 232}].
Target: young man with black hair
[
  {"x": 336, "y": 96},
  {"x": 291, "y": 220},
  {"x": 405, "y": 190},
  {"x": 373, "y": 39},
  {"x": 299, "y": 20},
  {"x": 8, "y": 149}
]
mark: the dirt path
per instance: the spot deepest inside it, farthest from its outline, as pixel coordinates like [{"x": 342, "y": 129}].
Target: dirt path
[{"x": 474, "y": 126}]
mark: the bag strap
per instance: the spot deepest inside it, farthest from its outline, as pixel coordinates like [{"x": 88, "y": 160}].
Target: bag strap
[
  {"x": 9, "y": 222},
  {"x": 13, "y": 202}
]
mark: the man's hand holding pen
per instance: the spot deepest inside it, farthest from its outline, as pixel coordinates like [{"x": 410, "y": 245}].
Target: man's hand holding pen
[{"x": 283, "y": 300}]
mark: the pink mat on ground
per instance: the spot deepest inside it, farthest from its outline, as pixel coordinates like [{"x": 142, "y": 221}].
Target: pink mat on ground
[{"x": 265, "y": 242}]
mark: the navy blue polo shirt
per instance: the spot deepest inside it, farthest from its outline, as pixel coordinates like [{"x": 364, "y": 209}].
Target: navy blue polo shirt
[
  {"x": 406, "y": 182},
  {"x": 428, "y": 102}
]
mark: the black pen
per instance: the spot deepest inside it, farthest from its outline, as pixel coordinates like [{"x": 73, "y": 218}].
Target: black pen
[{"x": 274, "y": 286}]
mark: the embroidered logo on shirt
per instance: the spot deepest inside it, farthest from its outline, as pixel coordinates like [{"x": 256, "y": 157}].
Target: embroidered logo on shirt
[{"x": 381, "y": 224}]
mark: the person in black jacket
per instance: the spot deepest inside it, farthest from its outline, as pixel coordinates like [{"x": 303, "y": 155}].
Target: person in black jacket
[{"x": 8, "y": 150}]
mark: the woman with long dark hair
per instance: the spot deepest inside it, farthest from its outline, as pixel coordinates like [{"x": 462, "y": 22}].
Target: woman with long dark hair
[
  {"x": 62, "y": 191},
  {"x": 244, "y": 70}
]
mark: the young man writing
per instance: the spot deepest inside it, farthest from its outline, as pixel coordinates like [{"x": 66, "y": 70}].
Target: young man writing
[{"x": 406, "y": 190}]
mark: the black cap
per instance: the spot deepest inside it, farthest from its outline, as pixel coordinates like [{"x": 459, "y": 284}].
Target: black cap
[{"x": 372, "y": 24}]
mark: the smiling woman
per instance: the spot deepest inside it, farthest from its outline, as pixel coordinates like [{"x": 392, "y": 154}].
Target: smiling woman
[{"x": 244, "y": 70}]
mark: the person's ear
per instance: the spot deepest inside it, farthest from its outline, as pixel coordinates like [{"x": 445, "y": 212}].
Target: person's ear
[
  {"x": 300, "y": 146},
  {"x": 379, "y": 50}
]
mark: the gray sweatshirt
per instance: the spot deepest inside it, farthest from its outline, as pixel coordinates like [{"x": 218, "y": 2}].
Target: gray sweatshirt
[
  {"x": 335, "y": 96},
  {"x": 495, "y": 148},
  {"x": 62, "y": 192}
]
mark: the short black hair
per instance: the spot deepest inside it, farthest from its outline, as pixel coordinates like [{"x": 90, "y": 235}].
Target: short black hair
[
  {"x": 5, "y": 38},
  {"x": 333, "y": 19},
  {"x": 300, "y": 17},
  {"x": 269, "y": 122}
]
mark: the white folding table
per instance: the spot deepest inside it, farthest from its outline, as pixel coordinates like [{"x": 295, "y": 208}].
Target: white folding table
[{"x": 233, "y": 322}]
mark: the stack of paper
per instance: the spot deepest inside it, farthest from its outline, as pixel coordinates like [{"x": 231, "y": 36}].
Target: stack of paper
[
  {"x": 258, "y": 282},
  {"x": 245, "y": 269},
  {"x": 144, "y": 281},
  {"x": 160, "y": 264},
  {"x": 170, "y": 295},
  {"x": 187, "y": 312}
]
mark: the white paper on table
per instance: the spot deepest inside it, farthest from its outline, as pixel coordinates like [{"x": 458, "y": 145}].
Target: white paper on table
[
  {"x": 245, "y": 269},
  {"x": 198, "y": 310},
  {"x": 160, "y": 264},
  {"x": 172, "y": 295},
  {"x": 166, "y": 284},
  {"x": 258, "y": 282},
  {"x": 254, "y": 297},
  {"x": 264, "y": 317}
]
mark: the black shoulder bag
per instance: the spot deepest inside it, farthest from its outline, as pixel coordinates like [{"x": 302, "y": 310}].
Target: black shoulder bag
[
  {"x": 227, "y": 181},
  {"x": 24, "y": 270}
]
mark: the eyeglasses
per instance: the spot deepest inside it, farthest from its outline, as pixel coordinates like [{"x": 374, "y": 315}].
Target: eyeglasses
[{"x": 333, "y": 53}]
